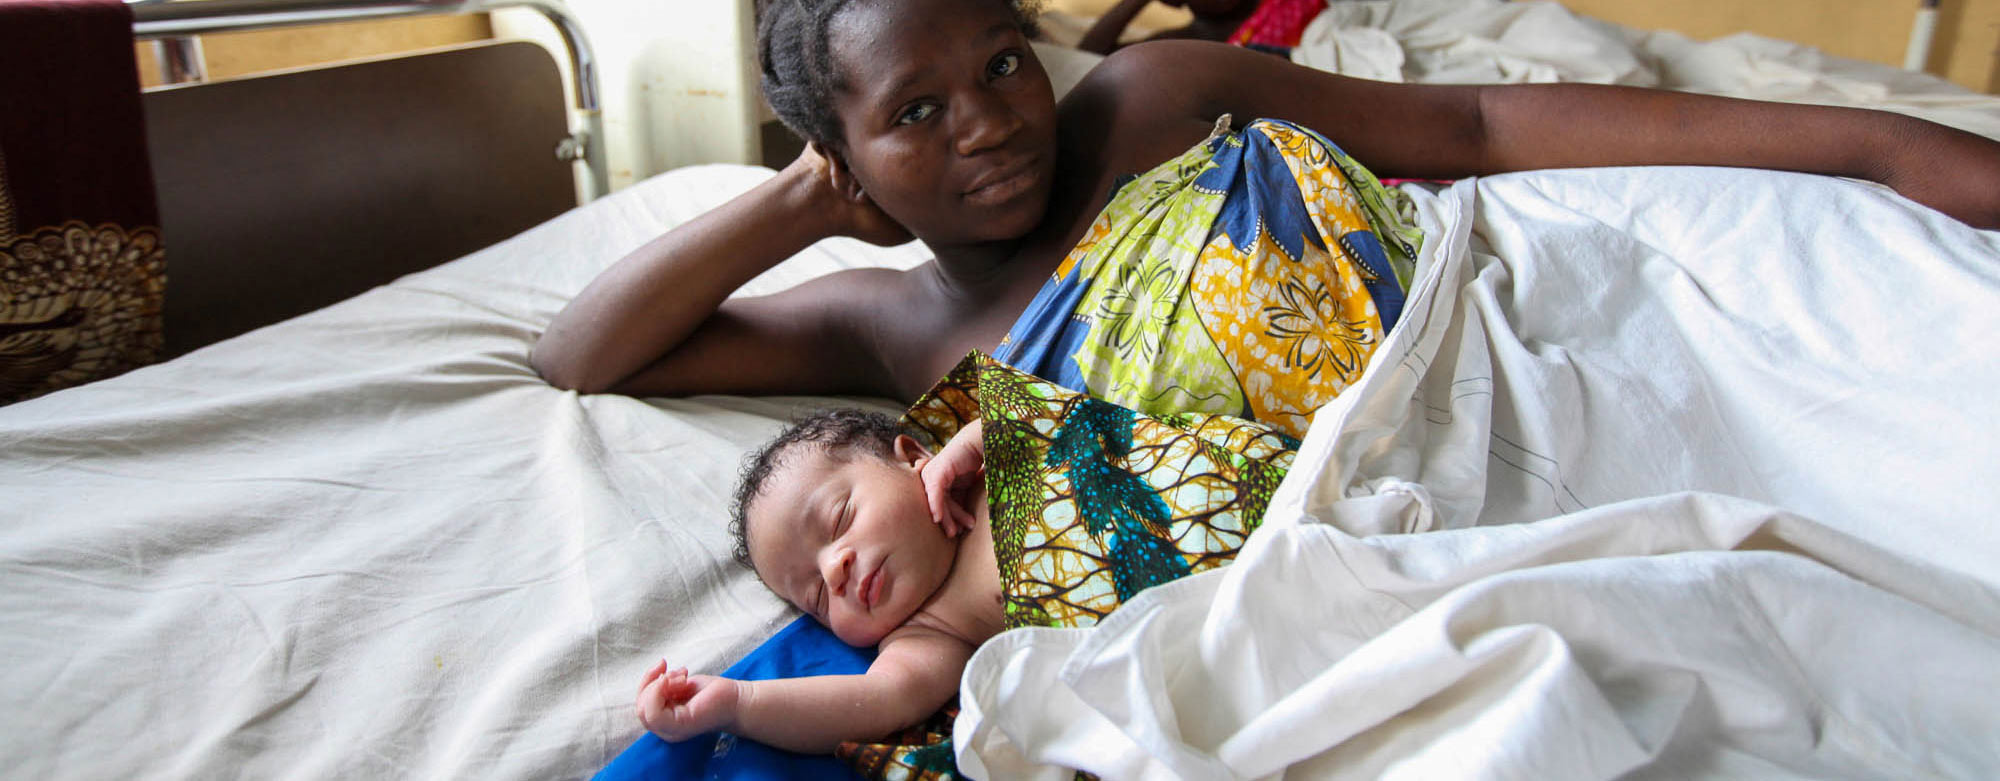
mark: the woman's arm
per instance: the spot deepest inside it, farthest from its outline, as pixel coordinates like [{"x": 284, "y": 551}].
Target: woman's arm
[
  {"x": 1441, "y": 131},
  {"x": 657, "y": 321}
]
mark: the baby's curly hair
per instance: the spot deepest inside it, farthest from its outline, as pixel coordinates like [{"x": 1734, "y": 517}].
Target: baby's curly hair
[
  {"x": 843, "y": 433},
  {"x": 796, "y": 63}
]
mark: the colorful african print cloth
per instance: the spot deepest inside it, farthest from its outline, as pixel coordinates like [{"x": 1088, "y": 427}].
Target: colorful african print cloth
[
  {"x": 1090, "y": 503},
  {"x": 1251, "y": 276}
]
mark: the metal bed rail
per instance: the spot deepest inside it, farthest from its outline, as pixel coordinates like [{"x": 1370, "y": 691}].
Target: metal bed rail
[{"x": 164, "y": 19}]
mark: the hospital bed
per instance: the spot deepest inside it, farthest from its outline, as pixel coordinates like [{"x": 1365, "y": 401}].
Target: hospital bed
[{"x": 1666, "y": 472}]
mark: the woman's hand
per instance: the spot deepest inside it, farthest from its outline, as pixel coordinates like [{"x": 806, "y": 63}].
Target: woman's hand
[
  {"x": 852, "y": 212},
  {"x": 953, "y": 477},
  {"x": 676, "y": 706}
]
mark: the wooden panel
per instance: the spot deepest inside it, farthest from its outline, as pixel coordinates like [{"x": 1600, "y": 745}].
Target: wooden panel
[
  {"x": 1968, "y": 44},
  {"x": 284, "y": 193},
  {"x": 240, "y": 54},
  {"x": 1875, "y": 30},
  {"x": 1967, "y": 48}
]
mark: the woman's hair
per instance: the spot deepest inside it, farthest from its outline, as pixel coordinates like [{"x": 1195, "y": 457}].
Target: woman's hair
[
  {"x": 798, "y": 73},
  {"x": 842, "y": 433}
]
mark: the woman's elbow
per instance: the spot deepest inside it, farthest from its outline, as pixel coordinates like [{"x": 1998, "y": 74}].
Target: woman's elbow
[{"x": 555, "y": 368}]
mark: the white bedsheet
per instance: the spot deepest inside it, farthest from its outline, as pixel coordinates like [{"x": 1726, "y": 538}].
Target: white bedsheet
[
  {"x": 1668, "y": 473},
  {"x": 370, "y": 542}
]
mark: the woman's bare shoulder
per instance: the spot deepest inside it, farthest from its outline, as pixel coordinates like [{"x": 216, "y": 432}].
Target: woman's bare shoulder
[
  {"x": 1135, "y": 109},
  {"x": 1401, "y": 129}
]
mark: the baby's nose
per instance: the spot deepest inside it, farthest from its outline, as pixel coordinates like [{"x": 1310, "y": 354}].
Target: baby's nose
[{"x": 838, "y": 571}]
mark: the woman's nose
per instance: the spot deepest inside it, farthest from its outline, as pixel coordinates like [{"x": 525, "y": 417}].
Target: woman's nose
[
  {"x": 836, "y": 569},
  {"x": 987, "y": 122}
]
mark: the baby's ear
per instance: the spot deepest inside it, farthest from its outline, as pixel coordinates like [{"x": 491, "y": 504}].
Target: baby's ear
[{"x": 910, "y": 452}]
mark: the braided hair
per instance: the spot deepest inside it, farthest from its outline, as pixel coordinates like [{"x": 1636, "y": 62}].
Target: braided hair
[{"x": 797, "y": 68}]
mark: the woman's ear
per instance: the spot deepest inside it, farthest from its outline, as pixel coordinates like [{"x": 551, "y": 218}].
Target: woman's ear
[
  {"x": 838, "y": 174},
  {"x": 910, "y": 452}
]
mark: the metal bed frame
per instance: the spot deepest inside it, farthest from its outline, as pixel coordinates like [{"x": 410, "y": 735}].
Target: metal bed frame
[{"x": 171, "y": 23}]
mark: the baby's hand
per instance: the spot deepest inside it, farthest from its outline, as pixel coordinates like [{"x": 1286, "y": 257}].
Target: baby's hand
[
  {"x": 676, "y": 706},
  {"x": 953, "y": 477}
]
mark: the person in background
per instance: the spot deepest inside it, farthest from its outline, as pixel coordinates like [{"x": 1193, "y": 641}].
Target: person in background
[{"x": 1265, "y": 25}]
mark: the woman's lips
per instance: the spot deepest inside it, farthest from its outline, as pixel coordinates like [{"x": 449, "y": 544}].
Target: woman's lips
[{"x": 1006, "y": 184}]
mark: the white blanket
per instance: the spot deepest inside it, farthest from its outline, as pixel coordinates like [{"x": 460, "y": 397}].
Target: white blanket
[{"x": 1666, "y": 473}]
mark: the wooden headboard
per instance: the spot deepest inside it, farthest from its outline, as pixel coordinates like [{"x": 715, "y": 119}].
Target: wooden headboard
[{"x": 283, "y": 193}]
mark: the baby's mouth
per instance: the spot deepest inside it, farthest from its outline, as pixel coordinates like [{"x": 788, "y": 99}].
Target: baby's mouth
[{"x": 871, "y": 588}]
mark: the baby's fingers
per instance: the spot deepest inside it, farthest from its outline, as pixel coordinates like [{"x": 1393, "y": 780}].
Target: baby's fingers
[
  {"x": 937, "y": 494},
  {"x": 652, "y": 674},
  {"x": 678, "y": 687}
]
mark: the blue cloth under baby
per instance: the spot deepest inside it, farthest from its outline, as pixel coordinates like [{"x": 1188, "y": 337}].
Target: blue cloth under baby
[{"x": 802, "y": 648}]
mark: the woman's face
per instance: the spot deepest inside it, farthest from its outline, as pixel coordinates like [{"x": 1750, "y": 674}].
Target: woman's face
[{"x": 948, "y": 118}]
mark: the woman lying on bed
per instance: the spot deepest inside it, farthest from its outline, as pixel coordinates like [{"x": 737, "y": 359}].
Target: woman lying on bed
[{"x": 933, "y": 118}]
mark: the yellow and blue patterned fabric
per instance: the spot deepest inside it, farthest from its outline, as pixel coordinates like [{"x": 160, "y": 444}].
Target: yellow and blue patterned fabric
[
  {"x": 1251, "y": 276},
  {"x": 1090, "y": 504}
]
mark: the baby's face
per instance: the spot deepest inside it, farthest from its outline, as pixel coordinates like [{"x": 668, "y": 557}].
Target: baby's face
[{"x": 850, "y": 540}]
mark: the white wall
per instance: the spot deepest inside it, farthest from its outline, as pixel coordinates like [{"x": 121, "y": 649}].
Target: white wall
[{"x": 677, "y": 79}]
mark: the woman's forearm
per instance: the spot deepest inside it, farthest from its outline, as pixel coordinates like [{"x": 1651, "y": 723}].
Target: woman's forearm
[
  {"x": 652, "y": 299},
  {"x": 1453, "y": 131},
  {"x": 1560, "y": 126}
]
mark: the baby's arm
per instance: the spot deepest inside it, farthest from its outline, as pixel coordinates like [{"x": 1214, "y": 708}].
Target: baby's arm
[
  {"x": 954, "y": 476},
  {"x": 915, "y": 673}
]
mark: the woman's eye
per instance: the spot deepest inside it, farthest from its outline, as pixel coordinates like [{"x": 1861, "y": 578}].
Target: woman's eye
[
  {"x": 915, "y": 114},
  {"x": 1004, "y": 65}
]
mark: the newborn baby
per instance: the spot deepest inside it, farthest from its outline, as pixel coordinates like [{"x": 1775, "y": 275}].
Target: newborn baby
[
  {"x": 884, "y": 542},
  {"x": 860, "y": 525}
]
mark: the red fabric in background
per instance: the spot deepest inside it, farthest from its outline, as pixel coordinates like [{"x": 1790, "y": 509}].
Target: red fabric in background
[
  {"x": 1277, "y": 23},
  {"x": 70, "y": 123}
]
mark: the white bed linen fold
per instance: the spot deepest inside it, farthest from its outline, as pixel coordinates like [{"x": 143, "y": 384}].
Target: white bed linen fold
[{"x": 1666, "y": 473}]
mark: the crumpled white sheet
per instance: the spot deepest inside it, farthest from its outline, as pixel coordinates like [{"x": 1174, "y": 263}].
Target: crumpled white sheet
[
  {"x": 1535, "y": 41},
  {"x": 1668, "y": 473}
]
